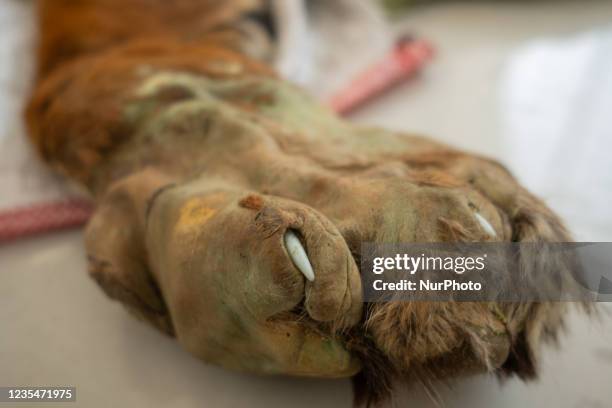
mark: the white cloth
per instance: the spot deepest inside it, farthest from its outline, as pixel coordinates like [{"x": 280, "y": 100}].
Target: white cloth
[
  {"x": 23, "y": 178},
  {"x": 323, "y": 55}
]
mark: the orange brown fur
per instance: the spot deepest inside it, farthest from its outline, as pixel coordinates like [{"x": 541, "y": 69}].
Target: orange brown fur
[
  {"x": 93, "y": 50},
  {"x": 71, "y": 29}
]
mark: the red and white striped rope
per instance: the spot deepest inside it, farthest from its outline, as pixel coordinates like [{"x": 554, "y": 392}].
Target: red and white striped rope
[
  {"x": 403, "y": 62},
  {"x": 39, "y": 218}
]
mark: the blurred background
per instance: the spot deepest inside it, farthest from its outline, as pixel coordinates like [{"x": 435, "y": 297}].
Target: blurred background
[{"x": 526, "y": 82}]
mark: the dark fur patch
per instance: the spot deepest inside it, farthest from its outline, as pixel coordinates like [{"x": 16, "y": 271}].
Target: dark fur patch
[{"x": 374, "y": 383}]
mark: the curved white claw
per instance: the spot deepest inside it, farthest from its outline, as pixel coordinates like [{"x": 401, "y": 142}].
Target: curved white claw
[
  {"x": 485, "y": 224},
  {"x": 297, "y": 253}
]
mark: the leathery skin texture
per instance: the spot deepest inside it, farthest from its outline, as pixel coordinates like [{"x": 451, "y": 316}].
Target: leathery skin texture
[{"x": 201, "y": 159}]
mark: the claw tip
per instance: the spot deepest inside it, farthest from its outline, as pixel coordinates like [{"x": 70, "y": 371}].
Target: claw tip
[{"x": 298, "y": 255}]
